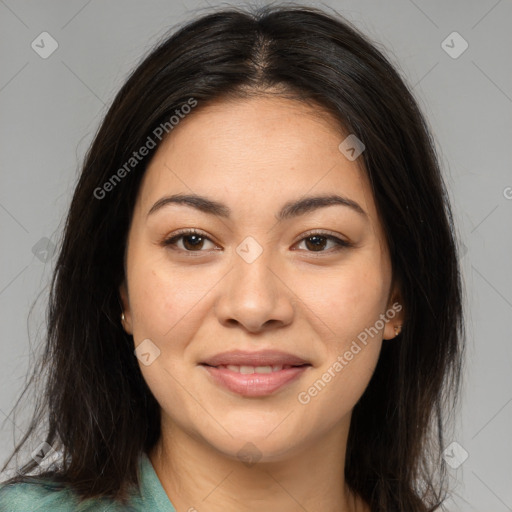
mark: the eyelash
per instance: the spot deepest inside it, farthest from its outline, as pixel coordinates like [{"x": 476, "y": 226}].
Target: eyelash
[{"x": 342, "y": 244}]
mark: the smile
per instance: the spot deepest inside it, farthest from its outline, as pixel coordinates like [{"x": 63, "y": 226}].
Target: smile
[
  {"x": 254, "y": 381},
  {"x": 254, "y": 369}
]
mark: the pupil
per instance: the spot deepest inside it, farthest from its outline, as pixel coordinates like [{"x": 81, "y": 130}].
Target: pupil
[
  {"x": 194, "y": 244},
  {"x": 318, "y": 244}
]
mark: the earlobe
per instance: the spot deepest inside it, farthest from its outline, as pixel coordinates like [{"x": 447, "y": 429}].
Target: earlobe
[
  {"x": 395, "y": 315},
  {"x": 125, "y": 314}
]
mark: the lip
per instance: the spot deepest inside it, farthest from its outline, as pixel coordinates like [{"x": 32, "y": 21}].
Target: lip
[
  {"x": 259, "y": 358},
  {"x": 254, "y": 384}
]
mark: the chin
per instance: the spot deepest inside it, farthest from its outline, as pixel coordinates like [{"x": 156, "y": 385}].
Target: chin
[{"x": 253, "y": 445}]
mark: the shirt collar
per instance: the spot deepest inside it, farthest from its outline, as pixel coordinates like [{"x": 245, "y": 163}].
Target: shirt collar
[{"x": 153, "y": 495}]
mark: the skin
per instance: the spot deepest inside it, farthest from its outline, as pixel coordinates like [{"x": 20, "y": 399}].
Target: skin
[{"x": 254, "y": 155}]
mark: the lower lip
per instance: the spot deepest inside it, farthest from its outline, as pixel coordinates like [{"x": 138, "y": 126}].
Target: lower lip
[{"x": 255, "y": 384}]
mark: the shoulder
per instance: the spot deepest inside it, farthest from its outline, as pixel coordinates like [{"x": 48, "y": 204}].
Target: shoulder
[
  {"x": 33, "y": 496},
  {"x": 42, "y": 496}
]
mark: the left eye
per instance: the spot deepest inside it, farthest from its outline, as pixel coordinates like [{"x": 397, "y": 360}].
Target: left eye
[
  {"x": 193, "y": 241},
  {"x": 319, "y": 240}
]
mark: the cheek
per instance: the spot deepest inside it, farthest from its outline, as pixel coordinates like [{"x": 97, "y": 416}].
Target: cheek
[
  {"x": 166, "y": 308},
  {"x": 346, "y": 309},
  {"x": 348, "y": 301},
  {"x": 165, "y": 300},
  {"x": 351, "y": 345},
  {"x": 153, "y": 305}
]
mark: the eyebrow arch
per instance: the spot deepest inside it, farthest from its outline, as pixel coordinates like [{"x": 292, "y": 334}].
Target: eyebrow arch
[{"x": 289, "y": 210}]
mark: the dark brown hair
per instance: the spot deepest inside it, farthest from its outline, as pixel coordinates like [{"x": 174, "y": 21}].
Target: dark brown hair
[{"x": 95, "y": 406}]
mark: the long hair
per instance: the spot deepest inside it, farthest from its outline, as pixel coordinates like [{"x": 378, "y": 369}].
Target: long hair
[{"x": 95, "y": 407}]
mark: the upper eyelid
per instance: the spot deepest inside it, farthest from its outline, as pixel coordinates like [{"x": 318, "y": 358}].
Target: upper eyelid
[{"x": 190, "y": 231}]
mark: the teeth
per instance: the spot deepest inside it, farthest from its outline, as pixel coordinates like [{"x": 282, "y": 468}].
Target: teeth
[{"x": 255, "y": 369}]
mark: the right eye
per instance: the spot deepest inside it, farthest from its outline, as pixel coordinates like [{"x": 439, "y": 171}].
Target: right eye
[{"x": 193, "y": 241}]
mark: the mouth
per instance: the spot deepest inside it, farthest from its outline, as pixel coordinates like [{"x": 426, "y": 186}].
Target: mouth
[
  {"x": 249, "y": 369},
  {"x": 255, "y": 381}
]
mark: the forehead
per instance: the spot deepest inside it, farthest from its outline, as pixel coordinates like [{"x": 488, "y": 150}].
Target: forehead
[{"x": 255, "y": 154}]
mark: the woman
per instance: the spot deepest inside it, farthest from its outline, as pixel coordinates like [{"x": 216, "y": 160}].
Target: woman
[{"x": 257, "y": 301}]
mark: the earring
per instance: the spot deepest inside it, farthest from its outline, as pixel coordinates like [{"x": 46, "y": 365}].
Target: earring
[
  {"x": 122, "y": 316},
  {"x": 398, "y": 329}
]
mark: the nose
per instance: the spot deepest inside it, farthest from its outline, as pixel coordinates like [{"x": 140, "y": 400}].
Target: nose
[{"x": 255, "y": 295}]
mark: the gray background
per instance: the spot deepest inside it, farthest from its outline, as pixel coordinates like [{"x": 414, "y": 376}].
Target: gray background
[{"x": 50, "y": 109}]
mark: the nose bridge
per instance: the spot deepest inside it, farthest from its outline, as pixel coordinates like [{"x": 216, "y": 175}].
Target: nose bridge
[
  {"x": 252, "y": 265},
  {"x": 252, "y": 276}
]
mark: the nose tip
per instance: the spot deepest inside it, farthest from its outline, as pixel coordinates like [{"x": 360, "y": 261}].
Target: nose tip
[{"x": 254, "y": 296}]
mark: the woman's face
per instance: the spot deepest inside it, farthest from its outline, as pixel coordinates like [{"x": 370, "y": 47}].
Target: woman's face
[{"x": 255, "y": 277}]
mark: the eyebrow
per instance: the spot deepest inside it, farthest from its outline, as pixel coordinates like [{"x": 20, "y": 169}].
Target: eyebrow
[{"x": 289, "y": 210}]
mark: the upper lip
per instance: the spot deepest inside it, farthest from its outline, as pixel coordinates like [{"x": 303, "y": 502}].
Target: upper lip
[{"x": 260, "y": 358}]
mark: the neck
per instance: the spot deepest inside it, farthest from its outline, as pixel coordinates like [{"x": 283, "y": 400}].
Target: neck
[{"x": 196, "y": 476}]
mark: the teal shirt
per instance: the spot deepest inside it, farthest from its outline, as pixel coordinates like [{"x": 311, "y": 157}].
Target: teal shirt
[{"x": 34, "y": 497}]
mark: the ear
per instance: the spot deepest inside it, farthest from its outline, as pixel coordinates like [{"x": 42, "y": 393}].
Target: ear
[
  {"x": 395, "y": 314},
  {"x": 127, "y": 322}
]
